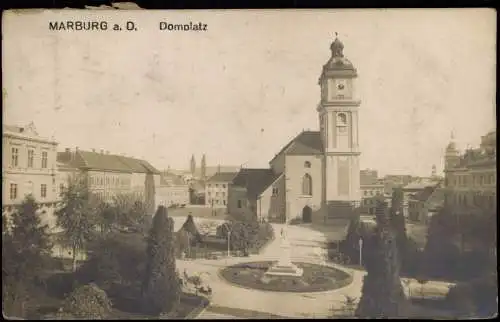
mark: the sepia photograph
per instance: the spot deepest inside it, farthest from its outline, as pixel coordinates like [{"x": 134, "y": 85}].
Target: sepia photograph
[{"x": 249, "y": 164}]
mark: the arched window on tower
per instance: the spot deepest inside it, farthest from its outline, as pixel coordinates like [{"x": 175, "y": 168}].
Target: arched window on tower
[
  {"x": 307, "y": 164},
  {"x": 307, "y": 185}
]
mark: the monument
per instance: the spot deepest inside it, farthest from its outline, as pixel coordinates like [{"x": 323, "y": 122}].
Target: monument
[{"x": 284, "y": 267}]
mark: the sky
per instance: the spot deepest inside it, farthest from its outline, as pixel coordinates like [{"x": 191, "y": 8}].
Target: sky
[{"x": 244, "y": 88}]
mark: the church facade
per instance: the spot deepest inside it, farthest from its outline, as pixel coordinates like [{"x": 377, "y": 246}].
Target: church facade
[{"x": 316, "y": 176}]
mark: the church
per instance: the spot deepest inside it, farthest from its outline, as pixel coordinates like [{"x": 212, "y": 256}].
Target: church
[{"x": 316, "y": 176}]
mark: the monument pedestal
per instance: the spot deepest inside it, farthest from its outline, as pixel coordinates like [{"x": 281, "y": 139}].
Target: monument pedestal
[{"x": 284, "y": 267}]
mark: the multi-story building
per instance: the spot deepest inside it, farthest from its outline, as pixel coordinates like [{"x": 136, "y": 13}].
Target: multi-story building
[
  {"x": 108, "y": 175},
  {"x": 371, "y": 187},
  {"x": 28, "y": 167},
  {"x": 417, "y": 191},
  {"x": 217, "y": 189},
  {"x": 470, "y": 178},
  {"x": 173, "y": 190}
]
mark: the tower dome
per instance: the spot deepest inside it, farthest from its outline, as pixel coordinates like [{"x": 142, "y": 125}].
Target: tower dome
[
  {"x": 337, "y": 48},
  {"x": 451, "y": 148},
  {"x": 338, "y": 63}
]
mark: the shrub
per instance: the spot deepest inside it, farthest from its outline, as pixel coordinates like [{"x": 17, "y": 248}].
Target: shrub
[
  {"x": 476, "y": 298},
  {"x": 87, "y": 302},
  {"x": 295, "y": 221}
]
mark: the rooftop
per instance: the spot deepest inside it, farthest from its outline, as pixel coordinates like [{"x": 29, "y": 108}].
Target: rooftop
[
  {"x": 104, "y": 161},
  {"x": 255, "y": 180},
  {"x": 306, "y": 143},
  {"x": 223, "y": 177}
]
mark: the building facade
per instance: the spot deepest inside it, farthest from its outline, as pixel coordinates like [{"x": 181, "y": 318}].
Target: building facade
[
  {"x": 317, "y": 175},
  {"x": 256, "y": 191},
  {"x": 108, "y": 175},
  {"x": 173, "y": 190},
  {"x": 28, "y": 167},
  {"x": 470, "y": 177},
  {"x": 217, "y": 189},
  {"x": 371, "y": 187}
]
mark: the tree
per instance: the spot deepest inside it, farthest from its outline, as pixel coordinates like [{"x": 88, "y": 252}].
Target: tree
[
  {"x": 87, "y": 302},
  {"x": 129, "y": 211},
  {"x": 115, "y": 263},
  {"x": 26, "y": 250},
  {"x": 382, "y": 292},
  {"x": 161, "y": 289},
  {"x": 77, "y": 216}
]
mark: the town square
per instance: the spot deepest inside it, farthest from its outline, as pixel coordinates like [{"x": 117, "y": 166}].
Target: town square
[{"x": 342, "y": 167}]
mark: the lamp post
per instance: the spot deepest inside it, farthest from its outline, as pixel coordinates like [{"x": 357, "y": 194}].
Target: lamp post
[
  {"x": 228, "y": 240},
  {"x": 360, "y": 251}
]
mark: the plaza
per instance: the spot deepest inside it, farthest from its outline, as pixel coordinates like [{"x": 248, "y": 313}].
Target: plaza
[{"x": 307, "y": 247}]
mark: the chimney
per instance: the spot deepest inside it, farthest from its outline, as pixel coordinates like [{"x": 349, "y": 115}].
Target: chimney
[
  {"x": 68, "y": 150},
  {"x": 93, "y": 150},
  {"x": 76, "y": 149},
  {"x": 102, "y": 151}
]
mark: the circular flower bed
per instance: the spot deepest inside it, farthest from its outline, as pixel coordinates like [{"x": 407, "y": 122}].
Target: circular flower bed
[{"x": 316, "y": 278}]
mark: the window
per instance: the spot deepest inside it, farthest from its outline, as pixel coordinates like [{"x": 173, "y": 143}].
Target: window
[
  {"x": 224, "y": 202},
  {"x": 239, "y": 204},
  {"x": 44, "y": 159},
  {"x": 223, "y": 195},
  {"x": 216, "y": 186},
  {"x": 307, "y": 164},
  {"x": 307, "y": 185},
  {"x": 275, "y": 191},
  {"x": 209, "y": 185},
  {"x": 31, "y": 154},
  {"x": 224, "y": 186},
  {"x": 43, "y": 190},
  {"x": 13, "y": 191},
  {"x": 15, "y": 157},
  {"x": 61, "y": 188}
]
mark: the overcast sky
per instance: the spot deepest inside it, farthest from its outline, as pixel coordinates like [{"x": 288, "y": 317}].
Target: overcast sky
[{"x": 241, "y": 90}]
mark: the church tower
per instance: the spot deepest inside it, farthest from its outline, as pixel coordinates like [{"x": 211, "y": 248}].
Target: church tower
[
  {"x": 338, "y": 119},
  {"x": 452, "y": 155}
]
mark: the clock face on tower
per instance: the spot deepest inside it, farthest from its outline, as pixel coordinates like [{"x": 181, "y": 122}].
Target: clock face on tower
[{"x": 339, "y": 89}]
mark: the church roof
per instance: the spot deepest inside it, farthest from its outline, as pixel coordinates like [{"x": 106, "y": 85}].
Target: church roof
[
  {"x": 306, "y": 143},
  {"x": 256, "y": 181}
]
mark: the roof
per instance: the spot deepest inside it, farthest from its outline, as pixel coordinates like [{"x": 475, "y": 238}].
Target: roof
[
  {"x": 25, "y": 132},
  {"x": 104, "y": 161},
  {"x": 421, "y": 184},
  {"x": 223, "y": 177},
  {"x": 477, "y": 158},
  {"x": 436, "y": 199},
  {"x": 306, "y": 143},
  {"x": 255, "y": 180},
  {"x": 423, "y": 195}
]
